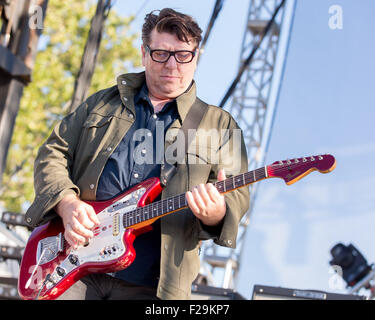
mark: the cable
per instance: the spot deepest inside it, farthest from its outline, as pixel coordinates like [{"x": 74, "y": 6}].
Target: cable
[
  {"x": 250, "y": 57},
  {"x": 281, "y": 77},
  {"x": 215, "y": 13}
]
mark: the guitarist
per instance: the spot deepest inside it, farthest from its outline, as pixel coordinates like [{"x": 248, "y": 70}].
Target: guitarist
[{"x": 95, "y": 153}]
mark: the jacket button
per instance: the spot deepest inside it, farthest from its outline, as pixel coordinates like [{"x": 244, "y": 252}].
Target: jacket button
[
  {"x": 123, "y": 82},
  {"x": 131, "y": 116},
  {"x": 92, "y": 186},
  {"x": 230, "y": 242},
  {"x": 109, "y": 149},
  {"x": 125, "y": 99},
  {"x": 28, "y": 220}
]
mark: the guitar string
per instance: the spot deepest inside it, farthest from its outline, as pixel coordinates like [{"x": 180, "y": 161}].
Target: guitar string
[{"x": 285, "y": 167}]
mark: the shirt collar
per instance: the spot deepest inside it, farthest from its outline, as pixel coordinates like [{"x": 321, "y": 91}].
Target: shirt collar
[{"x": 131, "y": 83}]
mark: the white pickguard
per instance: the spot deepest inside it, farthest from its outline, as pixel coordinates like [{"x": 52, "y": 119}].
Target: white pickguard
[{"x": 107, "y": 243}]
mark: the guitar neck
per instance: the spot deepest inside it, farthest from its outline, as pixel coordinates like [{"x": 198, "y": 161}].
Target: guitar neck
[{"x": 169, "y": 205}]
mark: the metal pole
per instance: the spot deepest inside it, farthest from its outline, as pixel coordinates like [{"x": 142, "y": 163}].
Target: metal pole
[{"x": 86, "y": 71}]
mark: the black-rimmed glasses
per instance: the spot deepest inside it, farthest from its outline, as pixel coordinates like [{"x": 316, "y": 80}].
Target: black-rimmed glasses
[{"x": 161, "y": 56}]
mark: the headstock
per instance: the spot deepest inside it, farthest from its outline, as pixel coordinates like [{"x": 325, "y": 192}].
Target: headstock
[{"x": 295, "y": 169}]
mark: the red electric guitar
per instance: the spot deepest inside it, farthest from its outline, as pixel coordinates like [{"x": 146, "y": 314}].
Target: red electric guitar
[{"x": 50, "y": 265}]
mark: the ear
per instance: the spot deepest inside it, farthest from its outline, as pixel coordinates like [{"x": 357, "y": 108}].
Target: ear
[
  {"x": 197, "y": 54},
  {"x": 196, "y": 57},
  {"x": 143, "y": 50}
]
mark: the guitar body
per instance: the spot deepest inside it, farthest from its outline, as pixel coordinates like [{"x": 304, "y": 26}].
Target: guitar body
[{"x": 48, "y": 256}]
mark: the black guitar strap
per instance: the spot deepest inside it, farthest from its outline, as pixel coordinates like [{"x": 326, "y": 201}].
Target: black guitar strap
[{"x": 192, "y": 121}]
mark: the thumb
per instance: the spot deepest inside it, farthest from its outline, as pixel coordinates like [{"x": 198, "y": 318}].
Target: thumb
[{"x": 221, "y": 175}]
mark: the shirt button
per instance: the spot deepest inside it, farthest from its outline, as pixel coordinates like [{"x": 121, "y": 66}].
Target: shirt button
[
  {"x": 109, "y": 149},
  {"x": 125, "y": 99},
  {"x": 149, "y": 134},
  {"x": 92, "y": 186},
  {"x": 154, "y": 116},
  {"x": 131, "y": 116},
  {"x": 229, "y": 242},
  {"x": 143, "y": 151},
  {"x": 135, "y": 175},
  {"x": 123, "y": 82},
  {"x": 28, "y": 220}
]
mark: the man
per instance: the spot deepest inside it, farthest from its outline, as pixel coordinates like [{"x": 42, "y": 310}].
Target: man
[{"x": 93, "y": 155}]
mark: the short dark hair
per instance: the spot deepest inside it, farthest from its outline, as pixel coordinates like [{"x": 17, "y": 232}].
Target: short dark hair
[{"x": 173, "y": 22}]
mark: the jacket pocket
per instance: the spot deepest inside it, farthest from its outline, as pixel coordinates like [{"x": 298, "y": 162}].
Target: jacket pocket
[
  {"x": 97, "y": 121},
  {"x": 93, "y": 134}
]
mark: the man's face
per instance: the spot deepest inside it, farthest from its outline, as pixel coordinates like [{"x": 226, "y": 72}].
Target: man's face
[{"x": 169, "y": 79}]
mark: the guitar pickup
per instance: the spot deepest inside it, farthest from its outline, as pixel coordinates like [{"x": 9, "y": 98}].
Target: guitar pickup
[
  {"x": 116, "y": 225},
  {"x": 117, "y": 206}
]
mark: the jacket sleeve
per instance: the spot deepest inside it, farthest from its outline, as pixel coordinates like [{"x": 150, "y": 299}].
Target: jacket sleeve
[
  {"x": 234, "y": 161},
  {"x": 52, "y": 167}
]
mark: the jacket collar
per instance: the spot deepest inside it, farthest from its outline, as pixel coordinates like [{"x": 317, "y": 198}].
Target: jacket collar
[{"x": 130, "y": 83}]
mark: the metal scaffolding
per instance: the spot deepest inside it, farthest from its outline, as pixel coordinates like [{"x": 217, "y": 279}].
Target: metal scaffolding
[{"x": 253, "y": 101}]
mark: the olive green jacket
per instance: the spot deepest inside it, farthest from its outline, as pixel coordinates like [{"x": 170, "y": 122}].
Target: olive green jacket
[{"x": 73, "y": 157}]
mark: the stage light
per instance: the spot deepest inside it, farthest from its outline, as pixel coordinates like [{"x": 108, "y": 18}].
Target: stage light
[{"x": 353, "y": 264}]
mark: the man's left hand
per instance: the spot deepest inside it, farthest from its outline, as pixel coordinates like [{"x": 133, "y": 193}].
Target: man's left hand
[{"x": 207, "y": 203}]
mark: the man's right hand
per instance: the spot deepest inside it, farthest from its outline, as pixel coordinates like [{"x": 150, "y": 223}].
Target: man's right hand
[{"x": 79, "y": 218}]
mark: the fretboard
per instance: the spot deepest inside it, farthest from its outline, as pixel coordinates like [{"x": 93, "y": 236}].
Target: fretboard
[{"x": 169, "y": 205}]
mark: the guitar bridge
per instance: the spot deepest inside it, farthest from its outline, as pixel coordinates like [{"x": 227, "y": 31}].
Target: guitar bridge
[{"x": 49, "y": 248}]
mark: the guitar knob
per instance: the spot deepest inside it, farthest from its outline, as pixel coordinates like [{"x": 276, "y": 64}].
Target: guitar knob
[
  {"x": 73, "y": 259},
  {"x": 60, "y": 271}
]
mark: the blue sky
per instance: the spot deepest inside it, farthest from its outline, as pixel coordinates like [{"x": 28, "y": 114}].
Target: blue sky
[{"x": 326, "y": 105}]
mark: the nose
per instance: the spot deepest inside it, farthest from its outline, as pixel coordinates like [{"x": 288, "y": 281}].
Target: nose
[{"x": 171, "y": 63}]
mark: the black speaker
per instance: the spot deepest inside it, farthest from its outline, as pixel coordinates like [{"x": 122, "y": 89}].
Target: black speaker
[
  {"x": 203, "y": 292},
  {"x": 261, "y": 292}
]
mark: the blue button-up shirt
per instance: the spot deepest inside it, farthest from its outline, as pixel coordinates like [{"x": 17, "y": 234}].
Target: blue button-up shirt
[{"x": 136, "y": 159}]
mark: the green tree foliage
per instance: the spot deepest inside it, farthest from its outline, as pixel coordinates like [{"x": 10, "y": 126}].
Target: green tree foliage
[{"x": 46, "y": 99}]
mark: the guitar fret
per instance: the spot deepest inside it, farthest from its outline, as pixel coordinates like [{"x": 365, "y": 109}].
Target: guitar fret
[
  {"x": 145, "y": 214},
  {"x": 164, "y": 207},
  {"x": 184, "y": 201},
  {"x": 155, "y": 210},
  {"x": 239, "y": 182}
]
